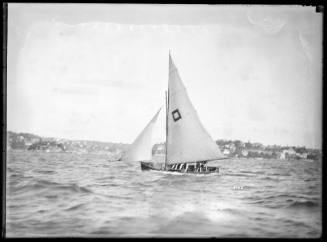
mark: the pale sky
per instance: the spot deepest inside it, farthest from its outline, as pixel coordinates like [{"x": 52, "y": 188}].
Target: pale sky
[{"x": 99, "y": 71}]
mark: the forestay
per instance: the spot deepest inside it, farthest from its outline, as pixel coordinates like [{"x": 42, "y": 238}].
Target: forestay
[
  {"x": 187, "y": 139},
  {"x": 141, "y": 148}
]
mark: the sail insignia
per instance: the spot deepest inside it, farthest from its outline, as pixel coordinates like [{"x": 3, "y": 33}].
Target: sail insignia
[{"x": 176, "y": 115}]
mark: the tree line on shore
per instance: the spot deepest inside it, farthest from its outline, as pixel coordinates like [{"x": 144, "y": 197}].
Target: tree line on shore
[
  {"x": 230, "y": 148},
  {"x": 237, "y": 148}
]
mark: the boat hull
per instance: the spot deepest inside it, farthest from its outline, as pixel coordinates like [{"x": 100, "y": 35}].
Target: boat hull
[{"x": 148, "y": 166}]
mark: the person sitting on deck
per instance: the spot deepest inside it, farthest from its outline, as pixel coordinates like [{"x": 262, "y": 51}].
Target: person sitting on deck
[
  {"x": 186, "y": 167},
  {"x": 203, "y": 167},
  {"x": 200, "y": 167},
  {"x": 197, "y": 167}
]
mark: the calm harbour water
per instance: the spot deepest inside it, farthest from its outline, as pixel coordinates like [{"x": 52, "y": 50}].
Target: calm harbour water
[{"x": 64, "y": 195}]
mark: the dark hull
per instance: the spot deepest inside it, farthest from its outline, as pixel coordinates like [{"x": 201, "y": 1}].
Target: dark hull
[{"x": 147, "y": 166}]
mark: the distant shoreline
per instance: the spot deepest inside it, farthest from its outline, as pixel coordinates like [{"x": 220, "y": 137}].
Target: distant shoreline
[
  {"x": 229, "y": 148},
  {"x": 108, "y": 155}
]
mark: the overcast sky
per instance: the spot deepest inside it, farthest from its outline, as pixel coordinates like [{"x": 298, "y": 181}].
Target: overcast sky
[{"x": 99, "y": 71}]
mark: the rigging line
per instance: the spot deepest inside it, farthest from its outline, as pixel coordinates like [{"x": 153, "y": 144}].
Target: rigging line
[{"x": 166, "y": 129}]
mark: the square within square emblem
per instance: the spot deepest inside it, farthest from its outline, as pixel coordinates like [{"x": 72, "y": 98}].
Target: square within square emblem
[{"x": 176, "y": 115}]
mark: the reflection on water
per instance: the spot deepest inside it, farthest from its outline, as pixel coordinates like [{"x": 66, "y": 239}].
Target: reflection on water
[{"x": 61, "y": 194}]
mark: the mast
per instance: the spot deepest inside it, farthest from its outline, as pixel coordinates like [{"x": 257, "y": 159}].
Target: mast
[
  {"x": 166, "y": 130},
  {"x": 167, "y": 110}
]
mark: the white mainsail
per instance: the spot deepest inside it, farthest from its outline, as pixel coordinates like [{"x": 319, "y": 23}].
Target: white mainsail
[
  {"x": 187, "y": 139},
  {"x": 141, "y": 148}
]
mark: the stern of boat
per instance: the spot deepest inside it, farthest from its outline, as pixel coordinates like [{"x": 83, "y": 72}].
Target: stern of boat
[
  {"x": 146, "y": 165},
  {"x": 213, "y": 169},
  {"x": 149, "y": 165}
]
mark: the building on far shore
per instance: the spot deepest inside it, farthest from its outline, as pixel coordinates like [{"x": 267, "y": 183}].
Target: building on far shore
[
  {"x": 226, "y": 152},
  {"x": 289, "y": 153},
  {"x": 245, "y": 152}
]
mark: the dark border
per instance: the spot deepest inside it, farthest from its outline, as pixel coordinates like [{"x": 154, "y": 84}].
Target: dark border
[
  {"x": 319, "y": 8},
  {"x": 4, "y": 117}
]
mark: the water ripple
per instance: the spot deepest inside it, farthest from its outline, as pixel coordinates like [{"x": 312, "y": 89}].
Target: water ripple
[{"x": 61, "y": 194}]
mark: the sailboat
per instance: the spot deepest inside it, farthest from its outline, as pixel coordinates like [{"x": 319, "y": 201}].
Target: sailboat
[{"x": 188, "y": 145}]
